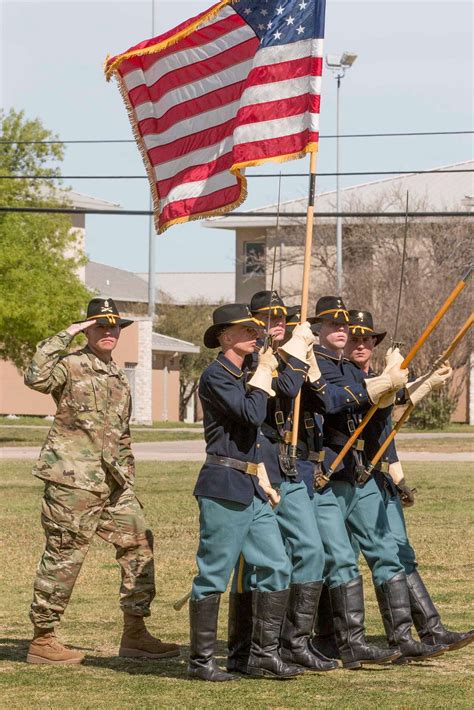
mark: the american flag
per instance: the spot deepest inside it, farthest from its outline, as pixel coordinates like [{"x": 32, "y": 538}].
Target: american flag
[{"x": 236, "y": 86}]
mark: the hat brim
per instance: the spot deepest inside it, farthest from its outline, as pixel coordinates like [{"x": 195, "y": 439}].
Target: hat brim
[
  {"x": 211, "y": 339},
  {"x": 378, "y": 336},
  {"x": 338, "y": 319},
  {"x": 121, "y": 322}
]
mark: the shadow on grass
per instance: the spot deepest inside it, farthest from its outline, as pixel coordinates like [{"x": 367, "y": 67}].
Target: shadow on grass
[{"x": 16, "y": 649}]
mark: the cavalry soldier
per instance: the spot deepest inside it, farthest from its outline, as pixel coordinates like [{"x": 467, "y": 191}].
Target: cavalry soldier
[
  {"x": 293, "y": 510},
  {"x": 88, "y": 470},
  {"x": 232, "y": 492},
  {"x": 363, "y": 338},
  {"x": 361, "y": 505}
]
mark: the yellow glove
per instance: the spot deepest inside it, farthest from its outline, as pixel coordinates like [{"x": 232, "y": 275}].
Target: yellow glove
[
  {"x": 393, "y": 357},
  {"x": 301, "y": 339},
  {"x": 418, "y": 389},
  {"x": 262, "y": 377},
  {"x": 264, "y": 482},
  {"x": 387, "y": 400},
  {"x": 392, "y": 378},
  {"x": 314, "y": 373},
  {"x": 407, "y": 495}
]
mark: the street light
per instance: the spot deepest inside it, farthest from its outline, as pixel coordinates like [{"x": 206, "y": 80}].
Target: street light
[{"x": 339, "y": 64}]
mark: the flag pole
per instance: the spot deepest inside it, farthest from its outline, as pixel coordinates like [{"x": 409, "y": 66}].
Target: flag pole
[{"x": 305, "y": 286}]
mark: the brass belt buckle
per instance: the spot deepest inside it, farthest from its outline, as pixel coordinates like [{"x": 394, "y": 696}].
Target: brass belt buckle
[
  {"x": 279, "y": 418},
  {"x": 384, "y": 466},
  {"x": 359, "y": 445},
  {"x": 251, "y": 469}
]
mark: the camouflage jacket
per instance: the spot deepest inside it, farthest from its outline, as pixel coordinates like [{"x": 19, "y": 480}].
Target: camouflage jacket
[{"x": 90, "y": 435}]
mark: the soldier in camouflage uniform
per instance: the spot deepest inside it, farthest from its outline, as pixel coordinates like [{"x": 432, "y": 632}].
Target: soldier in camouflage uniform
[{"x": 88, "y": 469}]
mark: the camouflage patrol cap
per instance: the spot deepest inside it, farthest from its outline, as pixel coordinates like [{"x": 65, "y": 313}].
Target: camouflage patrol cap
[{"x": 104, "y": 311}]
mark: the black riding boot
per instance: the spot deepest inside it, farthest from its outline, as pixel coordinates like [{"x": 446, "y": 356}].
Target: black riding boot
[
  {"x": 347, "y": 603},
  {"x": 298, "y": 625},
  {"x": 203, "y": 615},
  {"x": 427, "y": 619},
  {"x": 268, "y": 612},
  {"x": 239, "y": 631},
  {"x": 324, "y": 640},
  {"x": 394, "y": 604}
]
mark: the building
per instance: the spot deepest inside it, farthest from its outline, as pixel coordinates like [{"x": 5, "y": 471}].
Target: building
[
  {"x": 258, "y": 246},
  {"x": 256, "y": 241},
  {"x": 182, "y": 288},
  {"x": 150, "y": 360}
]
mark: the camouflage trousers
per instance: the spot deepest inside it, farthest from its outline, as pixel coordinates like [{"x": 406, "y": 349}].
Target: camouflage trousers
[{"x": 70, "y": 517}]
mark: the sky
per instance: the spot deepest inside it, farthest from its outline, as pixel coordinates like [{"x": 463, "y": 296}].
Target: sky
[{"x": 413, "y": 73}]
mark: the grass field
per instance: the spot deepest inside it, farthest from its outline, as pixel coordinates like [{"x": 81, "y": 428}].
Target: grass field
[
  {"x": 16, "y": 436},
  {"x": 42, "y": 421},
  {"x": 439, "y": 526}
]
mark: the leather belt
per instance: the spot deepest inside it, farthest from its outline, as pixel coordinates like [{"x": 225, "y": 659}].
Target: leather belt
[
  {"x": 245, "y": 466},
  {"x": 337, "y": 438}
]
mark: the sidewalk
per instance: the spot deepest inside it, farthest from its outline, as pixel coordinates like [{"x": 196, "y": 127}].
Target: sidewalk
[{"x": 195, "y": 451}]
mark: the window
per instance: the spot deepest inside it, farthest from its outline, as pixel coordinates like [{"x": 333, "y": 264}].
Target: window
[{"x": 254, "y": 258}]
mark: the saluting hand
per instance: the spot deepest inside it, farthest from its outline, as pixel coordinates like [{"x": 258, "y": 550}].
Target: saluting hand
[{"x": 76, "y": 328}]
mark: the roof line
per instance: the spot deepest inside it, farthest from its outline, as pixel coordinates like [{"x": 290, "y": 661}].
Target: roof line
[{"x": 351, "y": 187}]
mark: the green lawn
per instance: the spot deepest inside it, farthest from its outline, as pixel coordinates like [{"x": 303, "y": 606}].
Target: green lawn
[
  {"x": 42, "y": 421},
  {"x": 439, "y": 525}
]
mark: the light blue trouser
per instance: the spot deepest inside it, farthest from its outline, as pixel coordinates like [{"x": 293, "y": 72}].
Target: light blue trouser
[
  {"x": 396, "y": 520},
  {"x": 227, "y": 529},
  {"x": 364, "y": 513},
  {"x": 300, "y": 533},
  {"x": 341, "y": 563}
]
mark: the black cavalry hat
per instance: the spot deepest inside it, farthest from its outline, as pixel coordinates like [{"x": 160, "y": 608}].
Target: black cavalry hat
[
  {"x": 264, "y": 301},
  {"x": 224, "y": 316},
  {"x": 293, "y": 317},
  {"x": 104, "y": 311},
  {"x": 330, "y": 308},
  {"x": 361, "y": 323}
]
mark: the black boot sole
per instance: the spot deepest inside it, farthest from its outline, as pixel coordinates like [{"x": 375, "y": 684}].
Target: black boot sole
[
  {"x": 457, "y": 644},
  {"x": 213, "y": 680},
  {"x": 413, "y": 659},
  {"x": 263, "y": 673},
  {"x": 308, "y": 669},
  {"x": 355, "y": 665}
]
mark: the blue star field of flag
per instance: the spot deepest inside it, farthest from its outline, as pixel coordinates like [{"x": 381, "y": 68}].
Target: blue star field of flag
[{"x": 277, "y": 22}]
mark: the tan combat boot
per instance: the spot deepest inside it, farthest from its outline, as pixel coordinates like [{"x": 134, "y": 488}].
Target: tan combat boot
[
  {"x": 138, "y": 643},
  {"x": 45, "y": 648}
]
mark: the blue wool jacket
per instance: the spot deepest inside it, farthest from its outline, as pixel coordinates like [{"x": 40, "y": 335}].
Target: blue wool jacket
[{"x": 233, "y": 416}]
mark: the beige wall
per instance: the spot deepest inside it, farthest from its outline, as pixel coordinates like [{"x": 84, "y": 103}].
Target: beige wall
[
  {"x": 127, "y": 347},
  {"x": 158, "y": 377},
  {"x": 461, "y": 379},
  {"x": 16, "y": 398}
]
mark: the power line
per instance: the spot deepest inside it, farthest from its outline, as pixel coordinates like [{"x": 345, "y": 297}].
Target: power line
[
  {"x": 257, "y": 175},
  {"x": 323, "y": 136},
  {"x": 293, "y": 215}
]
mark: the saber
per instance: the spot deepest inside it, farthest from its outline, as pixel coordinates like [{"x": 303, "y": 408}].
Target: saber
[
  {"x": 406, "y": 414},
  {"x": 394, "y": 338},
  {"x": 179, "y": 603},
  {"x": 268, "y": 342},
  {"x": 423, "y": 337}
]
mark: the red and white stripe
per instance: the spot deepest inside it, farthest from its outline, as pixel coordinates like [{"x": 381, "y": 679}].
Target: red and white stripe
[{"x": 214, "y": 102}]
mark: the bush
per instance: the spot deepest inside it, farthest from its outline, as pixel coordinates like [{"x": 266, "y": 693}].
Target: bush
[{"x": 434, "y": 412}]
